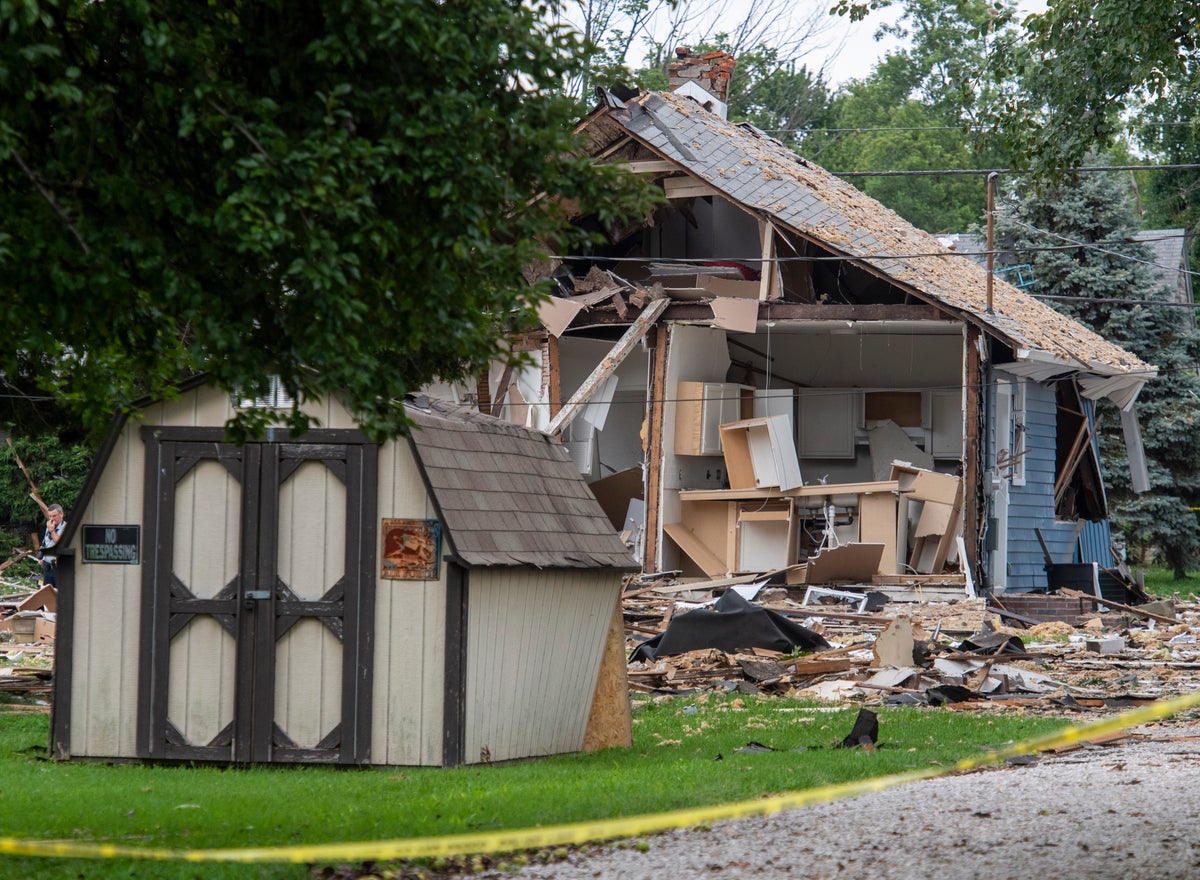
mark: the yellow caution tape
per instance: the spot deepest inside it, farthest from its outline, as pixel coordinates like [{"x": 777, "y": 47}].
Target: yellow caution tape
[{"x": 604, "y": 829}]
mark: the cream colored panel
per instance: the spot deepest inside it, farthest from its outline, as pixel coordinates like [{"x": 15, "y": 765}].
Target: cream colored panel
[
  {"x": 410, "y": 628},
  {"x": 213, "y": 408},
  {"x": 207, "y": 528},
  {"x": 332, "y": 413},
  {"x": 308, "y": 682},
  {"x": 106, "y": 637},
  {"x": 107, "y": 634},
  {"x": 534, "y": 644},
  {"x": 312, "y": 530},
  {"x": 200, "y": 690}
]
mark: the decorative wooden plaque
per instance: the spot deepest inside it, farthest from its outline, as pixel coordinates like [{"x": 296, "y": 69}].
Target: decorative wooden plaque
[{"x": 412, "y": 549}]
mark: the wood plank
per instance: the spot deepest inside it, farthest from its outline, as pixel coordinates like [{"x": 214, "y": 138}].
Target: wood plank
[
  {"x": 1129, "y": 609},
  {"x": 814, "y": 491},
  {"x": 695, "y": 549},
  {"x": 607, "y": 365},
  {"x": 654, "y": 449},
  {"x": 973, "y": 508},
  {"x": 687, "y": 188},
  {"x": 823, "y": 667},
  {"x": 686, "y": 311},
  {"x": 1046, "y": 554},
  {"x": 651, "y": 166}
]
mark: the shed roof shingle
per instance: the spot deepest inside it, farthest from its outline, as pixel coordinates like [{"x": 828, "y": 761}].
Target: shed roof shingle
[{"x": 508, "y": 495}]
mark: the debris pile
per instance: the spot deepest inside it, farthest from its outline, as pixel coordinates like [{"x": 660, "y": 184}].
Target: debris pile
[
  {"x": 914, "y": 649},
  {"x": 27, "y": 629}
]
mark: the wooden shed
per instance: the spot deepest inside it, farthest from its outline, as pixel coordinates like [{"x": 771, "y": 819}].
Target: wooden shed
[{"x": 441, "y": 599}]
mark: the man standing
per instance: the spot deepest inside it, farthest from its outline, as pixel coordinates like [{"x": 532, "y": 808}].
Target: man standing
[{"x": 54, "y": 528}]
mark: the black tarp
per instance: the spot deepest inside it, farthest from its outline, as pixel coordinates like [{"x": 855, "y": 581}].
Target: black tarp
[{"x": 732, "y": 624}]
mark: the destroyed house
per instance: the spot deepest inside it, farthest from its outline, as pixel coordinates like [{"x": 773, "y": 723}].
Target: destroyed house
[
  {"x": 774, "y": 365},
  {"x": 445, "y": 598}
]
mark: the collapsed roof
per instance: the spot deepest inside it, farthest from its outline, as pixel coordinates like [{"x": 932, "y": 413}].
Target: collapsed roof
[{"x": 768, "y": 180}]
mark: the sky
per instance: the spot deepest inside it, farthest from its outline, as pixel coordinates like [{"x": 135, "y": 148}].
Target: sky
[
  {"x": 849, "y": 49},
  {"x": 860, "y": 52}
]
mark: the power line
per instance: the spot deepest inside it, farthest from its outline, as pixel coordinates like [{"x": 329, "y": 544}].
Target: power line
[
  {"x": 1116, "y": 300},
  {"x": 877, "y": 129},
  {"x": 710, "y": 262},
  {"x": 1083, "y": 169},
  {"x": 1095, "y": 247}
]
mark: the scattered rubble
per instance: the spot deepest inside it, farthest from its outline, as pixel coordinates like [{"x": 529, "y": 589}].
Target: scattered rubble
[
  {"x": 928, "y": 646},
  {"x": 27, "y": 626}
]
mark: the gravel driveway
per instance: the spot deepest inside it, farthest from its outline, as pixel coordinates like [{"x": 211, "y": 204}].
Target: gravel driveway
[{"x": 1118, "y": 812}]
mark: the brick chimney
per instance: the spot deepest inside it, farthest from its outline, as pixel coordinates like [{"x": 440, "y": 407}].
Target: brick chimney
[{"x": 702, "y": 78}]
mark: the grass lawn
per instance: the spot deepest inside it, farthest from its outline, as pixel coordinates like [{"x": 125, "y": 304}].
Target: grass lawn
[
  {"x": 685, "y": 754},
  {"x": 1161, "y": 582}
]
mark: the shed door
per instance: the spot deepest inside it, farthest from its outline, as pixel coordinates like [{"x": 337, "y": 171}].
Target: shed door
[{"x": 258, "y": 599}]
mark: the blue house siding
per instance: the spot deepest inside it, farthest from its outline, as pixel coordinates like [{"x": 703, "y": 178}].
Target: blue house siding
[
  {"x": 1032, "y": 505},
  {"x": 1095, "y": 540}
]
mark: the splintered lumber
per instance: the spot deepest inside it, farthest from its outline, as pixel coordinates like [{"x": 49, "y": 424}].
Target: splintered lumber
[
  {"x": 823, "y": 666},
  {"x": 32, "y": 485},
  {"x": 1129, "y": 609},
  {"x": 19, "y": 555}
]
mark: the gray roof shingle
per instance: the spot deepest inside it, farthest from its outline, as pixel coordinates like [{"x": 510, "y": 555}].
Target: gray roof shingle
[
  {"x": 761, "y": 173},
  {"x": 509, "y": 495}
]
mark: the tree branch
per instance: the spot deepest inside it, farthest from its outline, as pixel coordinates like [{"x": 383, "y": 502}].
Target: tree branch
[{"x": 49, "y": 197}]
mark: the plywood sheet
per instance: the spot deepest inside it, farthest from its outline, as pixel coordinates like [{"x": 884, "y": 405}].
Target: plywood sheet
[
  {"x": 738, "y": 315},
  {"x": 616, "y": 491},
  {"x": 610, "y": 722},
  {"x": 850, "y": 562},
  {"x": 877, "y": 525},
  {"x": 556, "y": 314}
]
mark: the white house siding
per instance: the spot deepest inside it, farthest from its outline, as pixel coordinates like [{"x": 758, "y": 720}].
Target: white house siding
[
  {"x": 410, "y": 633},
  {"x": 534, "y": 645}
]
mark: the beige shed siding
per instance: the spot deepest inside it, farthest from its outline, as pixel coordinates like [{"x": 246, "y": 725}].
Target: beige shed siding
[
  {"x": 534, "y": 645},
  {"x": 200, "y": 691},
  {"x": 311, "y": 557},
  {"x": 107, "y": 633},
  {"x": 104, "y": 671},
  {"x": 410, "y": 633}
]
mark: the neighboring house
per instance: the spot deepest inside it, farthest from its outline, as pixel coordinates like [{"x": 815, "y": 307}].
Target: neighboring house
[
  {"x": 440, "y": 599},
  {"x": 1167, "y": 263},
  {"x": 1170, "y": 267},
  {"x": 767, "y": 286}
]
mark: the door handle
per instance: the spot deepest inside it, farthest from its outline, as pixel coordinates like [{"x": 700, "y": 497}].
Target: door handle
[{"x": 251, "y": 596}]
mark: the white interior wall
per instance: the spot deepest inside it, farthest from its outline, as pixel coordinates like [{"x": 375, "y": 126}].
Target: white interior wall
[{"x": 618, "y": 445}]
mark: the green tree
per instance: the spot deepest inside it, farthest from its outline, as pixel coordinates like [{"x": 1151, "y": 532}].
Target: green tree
[
  {"x": 341, "y": 193},
  {"x": 1094, "y": 212},
  {"x": 1168, "y": 130},
  {"x": 781, "y": 98},
  {"x": 1061, "y": 84},
  {"x": 1066, "y": 81},
  {"x": 913, "y": 111},
  {"x": 57, "y": 468},
  {"x": 871, "y": 134}
]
